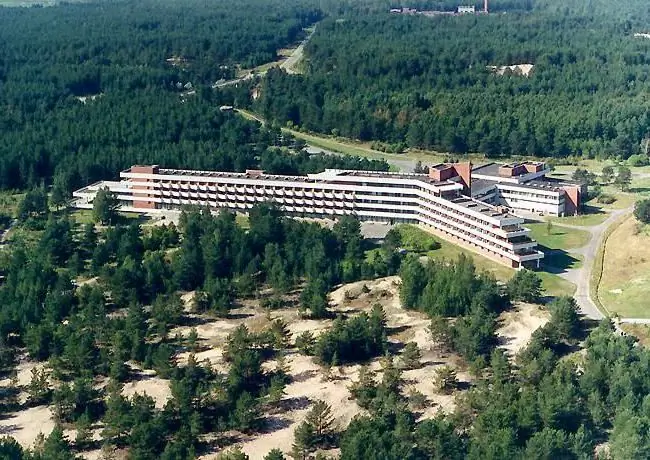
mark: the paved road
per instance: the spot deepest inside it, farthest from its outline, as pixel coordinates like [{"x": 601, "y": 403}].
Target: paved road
[{"x": 581, "y": 277}]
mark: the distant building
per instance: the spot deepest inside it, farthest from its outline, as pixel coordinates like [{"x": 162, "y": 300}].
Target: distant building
[
  {"x": 226, "y": 108},
  {"x": 439, "y": 201},
  {"x": 404, "y": 10},
  {"x": 466, "y": 9}
]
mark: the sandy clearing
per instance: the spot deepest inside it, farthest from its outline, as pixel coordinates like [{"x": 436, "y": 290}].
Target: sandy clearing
[
  {"x": 309, "y": 384},
  {"x": 26, "y": 424},
  {"x": 148, "y": 383},
  {"x": 518, "y": 325},
  {"x": 517, "y": 69}
]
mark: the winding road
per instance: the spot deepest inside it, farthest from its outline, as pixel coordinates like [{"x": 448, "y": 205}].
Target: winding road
[{"x": 288, "y": 64}]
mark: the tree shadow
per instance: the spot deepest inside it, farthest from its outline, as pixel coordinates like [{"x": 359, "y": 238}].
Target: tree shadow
[
  {"x": 296, "y": 403},
  {"x": 304, "y": 376},
  {"x": 8, "y": 429},
  {"x": 274, "y": 423},
  {"x": 396, "y": 330},
  {"x": 639, "y": 189},
  {"x": 395, "y": 347}
]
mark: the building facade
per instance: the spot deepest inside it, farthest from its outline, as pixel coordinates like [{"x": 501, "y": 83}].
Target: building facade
[
  {"x": 525, "y": 187},
  {"x": 438, "y": 201}
]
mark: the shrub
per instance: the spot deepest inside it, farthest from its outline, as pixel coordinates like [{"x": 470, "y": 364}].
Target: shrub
[
  {"x": 637, "y": 160},
  {"x": 605, "y": 198},
  {"x": 642, "y": 211}
]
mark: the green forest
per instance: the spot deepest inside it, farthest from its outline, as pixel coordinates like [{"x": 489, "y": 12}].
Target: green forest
[
  {"x": 135, "y": 62},
  {"x": 572, "y": 388},
  {"x": 424, "y": 81}
]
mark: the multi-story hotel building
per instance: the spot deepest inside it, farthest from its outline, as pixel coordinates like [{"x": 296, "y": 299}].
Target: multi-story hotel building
[
  {"x": 438, "y": 201},
  {"x": 525, "y": 187}
]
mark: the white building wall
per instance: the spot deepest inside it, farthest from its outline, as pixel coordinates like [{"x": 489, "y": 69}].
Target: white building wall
[{"x": 370, "y": 198}]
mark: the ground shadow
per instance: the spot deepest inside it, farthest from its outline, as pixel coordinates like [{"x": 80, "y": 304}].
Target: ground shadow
[
  {"x": 396, "y": 330},
  {"x": 587, "y": 209},
  {"x": 274, "y": 423},
  {"x": 557, "y": 261},
  {"x": 304, "y": 376},
  {"x": 639, "y": 189},
  {"x": 297, "y": 403}
]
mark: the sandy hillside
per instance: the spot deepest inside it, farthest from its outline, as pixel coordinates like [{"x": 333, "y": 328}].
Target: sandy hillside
[
  {"x": 518, "y": 324},
  {"x": 147, "y": 383},
  {"x": 308, "y": 382}
]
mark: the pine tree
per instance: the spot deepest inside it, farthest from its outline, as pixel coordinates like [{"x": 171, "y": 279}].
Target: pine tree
[
  {"x": 304, "y": 441},
  {"x": 411, "y": 356},
  {"x": 84, "y": 432},
  {"x": 364, "y": 390},
  {"x": 321, "y": 420},
  {"x": 445, "y": 379}
]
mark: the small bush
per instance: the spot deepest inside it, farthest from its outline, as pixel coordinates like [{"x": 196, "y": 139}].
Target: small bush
[
  {"x": 642, "y": 211},
  {"x": 605, "y": 198},
  {"x": 637, "y": 160}
]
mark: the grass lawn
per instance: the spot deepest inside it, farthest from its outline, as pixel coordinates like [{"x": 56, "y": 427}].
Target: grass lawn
[
  {"x": 242, "y": 220},
  {"x": 640, "y": 331},
  {"x": 82, "y": 216},
  {"x": 594, "y": 216},
  {"x": 625, "y": 284},
  {"x": 553, "y": 285},
  {"x": 640, "y": 186},
  {"x": 559, "y": 237}
]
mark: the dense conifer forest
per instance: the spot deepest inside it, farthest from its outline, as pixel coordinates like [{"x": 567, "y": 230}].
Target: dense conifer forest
[{"x": 424, "y": 81}]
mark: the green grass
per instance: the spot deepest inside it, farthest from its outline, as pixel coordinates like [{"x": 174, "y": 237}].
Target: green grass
[
  {"x": 416, "y": 240},
  {"x": 242, "y": 220},
  {"x": 9, "y": 202},
  {"x": 555, "y": 286},
  {"x": 560, "y": 237},
  {"x": 450, "y": 251},
  {"x": 413, "y": 237},
  {"x": 82, "y": 216},
  {"x": 619, "y": 281}
]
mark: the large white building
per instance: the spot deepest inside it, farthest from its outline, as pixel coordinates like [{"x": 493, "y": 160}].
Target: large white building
[
  {"x": 438, "y": 201},
  {"x": 525, "y": 187}
]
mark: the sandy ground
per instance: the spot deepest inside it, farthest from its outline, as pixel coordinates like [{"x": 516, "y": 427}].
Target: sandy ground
[
  {"x": 309, "y": 383},
  {"x": 518, "y": 325},
  {"x": 25, "y": 425},
  {"x": 148, "y": 383},
  {"x": 517, "y": 69}
]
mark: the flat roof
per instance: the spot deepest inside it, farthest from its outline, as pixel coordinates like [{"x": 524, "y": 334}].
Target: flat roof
[
  {"x": 489, "y": 169},
  {"x": 480, "y": 184},
  {"x": 324, "y": 177},
  {"x": 391, "y": 175},
  {"x": 481, "y": 207}
]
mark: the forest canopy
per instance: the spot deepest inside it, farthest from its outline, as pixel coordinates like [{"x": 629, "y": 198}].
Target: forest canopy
[
  {"x": 89, "y": 89},
  {"x": 426, "y": 81}
]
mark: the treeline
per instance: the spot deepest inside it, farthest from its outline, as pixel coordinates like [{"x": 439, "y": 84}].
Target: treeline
[{"x": 425, "y": 82}]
